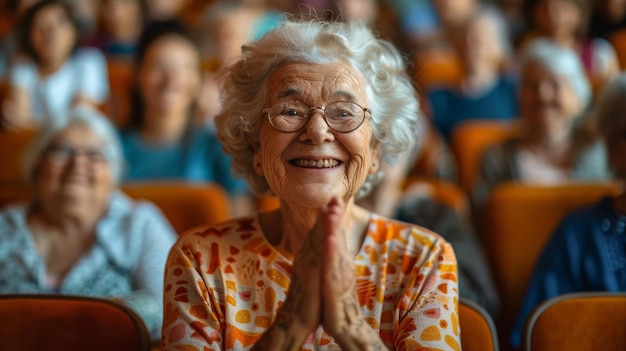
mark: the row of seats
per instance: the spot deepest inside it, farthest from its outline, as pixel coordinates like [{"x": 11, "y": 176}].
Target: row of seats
[{"x": 583, "y": 321}]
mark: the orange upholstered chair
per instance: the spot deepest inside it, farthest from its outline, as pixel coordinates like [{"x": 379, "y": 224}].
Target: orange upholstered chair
[
  {"x": 185, "y": 205},
  {"x": 469, "y": 141},
  {"x": 437, "y": 68},
  {"x": 578, "y": 321},
  {"x": 118, "y": 106},
  {"x": 13, "y": 144},
  {"x": 478, "y": 332},
  {"x": 519, "y": 220},
  {"x": 69, "y": 323}
]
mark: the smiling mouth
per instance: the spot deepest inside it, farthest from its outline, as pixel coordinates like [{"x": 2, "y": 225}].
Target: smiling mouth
[{"x": 328, "y": 163}]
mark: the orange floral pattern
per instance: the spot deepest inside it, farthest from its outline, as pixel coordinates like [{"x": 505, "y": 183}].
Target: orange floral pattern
[{"x": 224, "y": 284}]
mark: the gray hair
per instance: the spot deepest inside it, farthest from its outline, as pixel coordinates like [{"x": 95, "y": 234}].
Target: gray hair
[
  {"x": 562, "y": 61},
  {"x": 396, "y": 118},
  {"x": 85, "y": 116},
  {"x": 610, "y": 111}
]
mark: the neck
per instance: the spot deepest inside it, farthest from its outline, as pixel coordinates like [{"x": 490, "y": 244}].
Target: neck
[
  {"x": 555, "y": 145},
  {"x": 163, "y": 127},
  {"x": 49, "y": 68},
  {"x": 295, "y": 223},
  {"x": 565, "y": 40},
  {"x": 69, "y": 222},
  {"x": 478, "y": 78}
]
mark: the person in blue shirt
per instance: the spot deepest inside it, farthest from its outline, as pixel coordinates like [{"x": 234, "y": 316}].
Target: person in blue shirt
[
  {"x": 162, "y": 142},
  {"x": 484, "y": 92},
  {"x": 587, "y": 252}
]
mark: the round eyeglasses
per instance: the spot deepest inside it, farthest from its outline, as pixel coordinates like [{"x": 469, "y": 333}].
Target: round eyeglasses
[{"x": 291, "y": 116}]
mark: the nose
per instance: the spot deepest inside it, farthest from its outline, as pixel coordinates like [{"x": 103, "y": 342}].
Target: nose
[
  {"x": 545, "y": 91},
  {"x": 316, "y": 130}
]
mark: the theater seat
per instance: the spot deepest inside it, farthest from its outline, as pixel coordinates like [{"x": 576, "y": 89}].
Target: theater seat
[
  {"x": 478, "y": 332},
  {"x": 185, "y": 205},
  {"x": 578, "y": 321},
  {"x": 519, "y": 221},
  {"x": 69, "y": 323},
  {"x": 13, "y": 144}
]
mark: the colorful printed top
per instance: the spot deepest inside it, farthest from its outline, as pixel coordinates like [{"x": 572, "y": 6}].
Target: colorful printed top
[{"x": 224, "y": 285}]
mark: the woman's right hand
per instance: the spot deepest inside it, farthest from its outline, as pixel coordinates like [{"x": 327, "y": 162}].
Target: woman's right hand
[{"x": 15, "y": 112}]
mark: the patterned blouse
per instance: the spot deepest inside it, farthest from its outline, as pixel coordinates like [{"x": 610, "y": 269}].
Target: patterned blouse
[
  {"x": 126, "y": 262},
  {"x": 224, "y": 284}
]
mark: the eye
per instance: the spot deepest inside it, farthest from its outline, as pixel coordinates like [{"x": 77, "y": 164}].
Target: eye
[{"x": 293, "y": 111}]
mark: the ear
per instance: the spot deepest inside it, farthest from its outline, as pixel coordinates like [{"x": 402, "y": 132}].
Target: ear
[
  {"x": 256, "y": 162},
  {"x": 376, "y": 159}
]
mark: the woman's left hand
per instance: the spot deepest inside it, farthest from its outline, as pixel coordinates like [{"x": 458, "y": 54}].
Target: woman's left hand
[{"x": 341, "y": 315}]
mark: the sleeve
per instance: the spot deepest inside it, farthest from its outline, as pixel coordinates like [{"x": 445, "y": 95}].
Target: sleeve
[
  {"x": 94, "y": 80},
  {"x": 553, "y": 274},
  {"x": 605, "y": 56},
  {"x": 22, "y": 75},
  {"x": 156, "y": 240},
  {"x": 193, "y": 317},
  {"x": 431, "y": 319}
]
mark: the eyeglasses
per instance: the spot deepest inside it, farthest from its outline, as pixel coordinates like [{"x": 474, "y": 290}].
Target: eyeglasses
[
  {"x": 291, "y": 116},
  {"x": 62, "y": 154}
]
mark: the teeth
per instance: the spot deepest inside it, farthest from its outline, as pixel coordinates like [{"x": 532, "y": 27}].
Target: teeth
[{"x": 316, "y": 164}]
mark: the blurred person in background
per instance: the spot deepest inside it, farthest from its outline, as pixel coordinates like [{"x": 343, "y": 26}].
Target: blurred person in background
[
  {"x": 79, "y": 234},
  {"x": 566, "y": 23},
  {"x": 555, "y": 143},
  {"x": 55, "y": 74},
  {"x": 12, "y": 11},
  {"x": 120, "y": 23},
  {"x": 162, "y": 142},
  {"x": 164, "y": 10},
  {"x": 485, "y": 91},
  {"x": 608, "y": 17},
  {"x": 586, "y": 252}
]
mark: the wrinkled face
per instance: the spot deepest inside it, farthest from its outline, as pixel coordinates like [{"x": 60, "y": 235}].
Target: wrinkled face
[
  {"x": 547, "y": 99},
  {"x": 169, "y": 76},
  {"x": 74, "y": 167},
  {"x": 558, "y": 17},
  {"x": 311, "y": 165},
  {"x": 52, "y": 35}
]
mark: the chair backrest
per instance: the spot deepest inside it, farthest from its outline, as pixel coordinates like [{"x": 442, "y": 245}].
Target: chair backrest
[
  {"x": 13, "y": 144},
  {"x": 68, "y": 323},
  {"x": 578, "y": 321},
  {"x": 478, "y": 332},
  {"x": 437, "y": 68},
  {"x": 470, "y": 139},
  {"x": 185, "y": 205},
  {"x": 519, "y": 219}
]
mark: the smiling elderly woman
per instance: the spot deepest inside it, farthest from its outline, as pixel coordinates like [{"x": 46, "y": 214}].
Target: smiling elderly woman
[
  {"x": 79, "y": 234},
  {"x": 311, "y": 110}
]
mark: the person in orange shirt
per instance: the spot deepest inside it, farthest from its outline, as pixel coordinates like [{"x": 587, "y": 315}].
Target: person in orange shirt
[{"x": 311, "y": 110}]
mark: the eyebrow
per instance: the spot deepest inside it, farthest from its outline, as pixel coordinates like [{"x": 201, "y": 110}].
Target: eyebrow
[{"x": 291, "y": 92}]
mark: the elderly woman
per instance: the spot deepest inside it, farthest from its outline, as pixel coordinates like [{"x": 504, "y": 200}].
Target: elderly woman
[
  {"x": 55, "y": 75},
  {"x": 485, "y": 91},
  {"x": 311, "y": 110},
  {"x": 586, "y": 252},
  {"x": 555, "y": 144},
  {"x": 79, "y": 235}
]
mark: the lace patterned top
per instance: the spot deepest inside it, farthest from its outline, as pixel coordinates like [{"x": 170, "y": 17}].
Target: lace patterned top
[{"x": 224, "y": 285}]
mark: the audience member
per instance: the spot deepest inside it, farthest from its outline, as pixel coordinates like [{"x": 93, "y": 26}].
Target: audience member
[
  {"x": 161, "y": 142},
  {"x": 555, "y": 144},
  {"x": 56, "y": 75},
  {"x": 164, "y": 10},
  {"x": 79, "y": 234},
  {"x": 587, "y": 251},
  {"x": 608, "y": 17},
  {"x": 120, "y": 23},
  {"x": 485, "y": 91},
  {"x": 566, "y": 23}
]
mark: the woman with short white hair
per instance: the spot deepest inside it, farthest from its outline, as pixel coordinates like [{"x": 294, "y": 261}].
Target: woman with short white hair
[
  {"x": 555, "y": 143},
  {"x": 79, "y": 234}
]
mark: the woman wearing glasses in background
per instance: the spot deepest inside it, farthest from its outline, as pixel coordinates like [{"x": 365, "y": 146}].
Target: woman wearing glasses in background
[
  {"x": 79, "y": 235},
  {"x": 310, "y": 112}
]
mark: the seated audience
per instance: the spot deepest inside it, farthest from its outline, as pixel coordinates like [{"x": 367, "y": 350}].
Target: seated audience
[
  {"x": 310, "y": 112},
  {"x": 565, "y": 22},
  {"x": 79, "y": 234},
  {"x": 56, "y": 74},
  {"x": 120, "y": 23},
  {"x": 587, "y": 251},
  {"x": 555, "y": 143},
  {"x": 162, "y": 142},
  {"x": 485, "y": 92}
]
